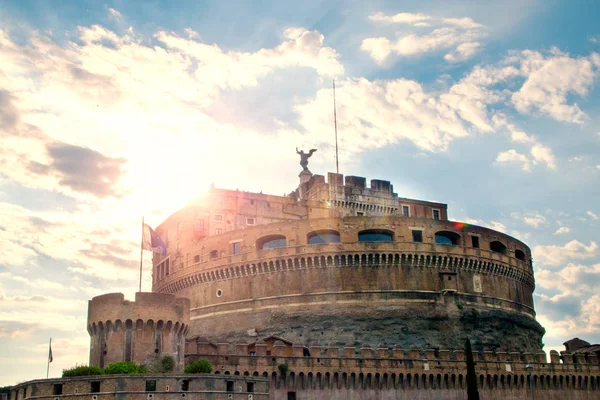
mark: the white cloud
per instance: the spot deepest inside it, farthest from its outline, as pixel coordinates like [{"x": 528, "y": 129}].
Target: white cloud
[
  {"x": 543, "y": 154},
  {"x": 112, "y": 13},
  {"x": 512, "y": 156},
  {"x": 562, "y": 229},
  {"x": 460, "y": 34},
  {"x": 465, "y": 23},
  {"x": 379, "y": 48},
  {"x": 463, "y": 52},
  {"x": 535, "y": 221},
  {"x": 401, "y": 18},
  {"x": 592, "y": 215},
  {"x": 550, "y": 80},
  {"x": 553, "y": 255}
]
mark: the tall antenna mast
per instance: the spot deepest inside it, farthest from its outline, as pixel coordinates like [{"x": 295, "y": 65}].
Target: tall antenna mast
[{"x": 337, "y": 165}]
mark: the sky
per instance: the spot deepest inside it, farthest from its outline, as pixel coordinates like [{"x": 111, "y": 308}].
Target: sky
[{"x": 110, "y": 111}]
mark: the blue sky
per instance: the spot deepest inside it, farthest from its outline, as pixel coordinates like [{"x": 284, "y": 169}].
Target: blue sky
[{"x": 110, "y": 111}]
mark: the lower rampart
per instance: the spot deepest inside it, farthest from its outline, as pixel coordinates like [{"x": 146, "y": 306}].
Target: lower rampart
[
  {"x": 334, "y": 373},
  {"x": 144, "y": 387}
]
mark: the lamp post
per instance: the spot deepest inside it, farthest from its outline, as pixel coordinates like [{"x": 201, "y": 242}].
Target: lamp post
[{"x": 529, "y": 367}]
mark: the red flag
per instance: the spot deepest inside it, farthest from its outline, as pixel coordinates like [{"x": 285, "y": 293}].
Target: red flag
[{"x": 50, "y": 358}]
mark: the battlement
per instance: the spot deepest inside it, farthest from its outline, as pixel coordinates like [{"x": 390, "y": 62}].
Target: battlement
[
  {"x": 153, "y": 325},
  {"x": 262, "y": 352}
]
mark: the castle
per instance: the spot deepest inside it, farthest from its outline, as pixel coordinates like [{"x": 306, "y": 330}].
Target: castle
[{"x": 339, "y": 290}]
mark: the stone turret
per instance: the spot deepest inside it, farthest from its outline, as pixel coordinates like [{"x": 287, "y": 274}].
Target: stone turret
[{"x": 153, "y": 326}]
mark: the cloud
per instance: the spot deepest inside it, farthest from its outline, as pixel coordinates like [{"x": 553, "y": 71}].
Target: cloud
[
  {"x": 82, "y": 169},
  {"x": 463, "y": 52},
  {"x": 543, "y": 154},
  {"x": 553, "y": 255},
  {"x": 112, "y": 13},
  {"x": 562, "y": 230},
  {"x": 592, "y": 215},
  {"x": 512, "y": 156},
  {"x": 457, "y": 33},
  {"x": 550, "y": 80},
  {"x": 402, "y": 18},
  {"x": 535, "y": 221}
]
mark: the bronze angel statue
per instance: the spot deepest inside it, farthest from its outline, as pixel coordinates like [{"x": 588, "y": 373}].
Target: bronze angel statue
[{"x": 304, "y": 158}]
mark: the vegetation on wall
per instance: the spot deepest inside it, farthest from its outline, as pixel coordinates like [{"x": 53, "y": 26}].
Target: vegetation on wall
[
  {"x": 283, "y": 369},
  {"x": 122, "y": 367},
  {"x": 200, "y": 366},
  {"x": 161, "y": 365},
  {"x": 82, "y": 370}
]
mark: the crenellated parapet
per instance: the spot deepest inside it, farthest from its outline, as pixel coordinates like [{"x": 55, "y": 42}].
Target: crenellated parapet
[
  {"x": 152, "y": 326},
  {"x": 341, "y": 366}
]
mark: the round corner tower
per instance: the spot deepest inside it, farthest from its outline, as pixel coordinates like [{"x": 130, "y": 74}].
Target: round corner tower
[{"x": 153, "y": 325}]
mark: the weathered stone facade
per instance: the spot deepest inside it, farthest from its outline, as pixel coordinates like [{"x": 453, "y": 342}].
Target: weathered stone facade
[
  {"x": 346, "y": 263},
  {"x": 144, "y": 387},
  {"x": 153, "y": 326}
]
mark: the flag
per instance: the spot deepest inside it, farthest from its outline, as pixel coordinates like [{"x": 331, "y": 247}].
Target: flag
[
  {"x": 152, "y": 241},
  {"x": 50, "y": 358}
]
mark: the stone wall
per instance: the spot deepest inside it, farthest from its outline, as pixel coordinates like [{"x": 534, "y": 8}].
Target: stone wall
[
  {"x": 396, "y": 292},
  {"x": 144, "y": 387},
  {"x": 142, "y": 331},
  {"x": 349, "y": 373}
]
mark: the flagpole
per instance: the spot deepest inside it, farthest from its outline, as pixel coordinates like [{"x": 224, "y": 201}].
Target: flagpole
[
  {"x": 48, "y": 365},
  {"x": 141, "y": 253}
]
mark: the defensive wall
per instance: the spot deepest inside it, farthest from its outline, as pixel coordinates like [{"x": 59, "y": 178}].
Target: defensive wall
[
  {"x": 144, "y": 387},
  {"x": 363, "y": 279},
  {"x": 338, "y": 372},
  {"x": 151, "y": 326}
]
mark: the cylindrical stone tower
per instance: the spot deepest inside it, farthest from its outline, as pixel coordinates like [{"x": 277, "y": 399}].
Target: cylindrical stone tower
[{"x": 153, "y": 326}]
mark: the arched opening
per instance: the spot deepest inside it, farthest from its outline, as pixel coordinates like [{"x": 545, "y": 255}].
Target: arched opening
[
  {"x": 271, "y": 242},
  {"x": 447, "y": 238},
  {"x": 323, "y": 237},
  {"x": 519, "y": 255},
  {"x": 376, "y": 235},
  {"x": 498, "y": 247}
]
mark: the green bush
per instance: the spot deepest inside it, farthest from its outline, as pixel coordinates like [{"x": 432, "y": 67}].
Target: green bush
[
  {"x": 5, "y": 389},
  {"x": 200, "y": 366},
  {"x": 167, "y": 364},
  {"x": 81, "y": 370},
  {"x": 283, "y": 369},
  {"x": 122, "y": 367}
]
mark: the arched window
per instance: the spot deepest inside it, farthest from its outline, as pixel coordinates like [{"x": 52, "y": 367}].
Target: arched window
[
  {"x": 447, "y": 237},
  {"x": 519, "y": 255},
  {"x": 271, "y": 242},
  {"x": 323, "y": 237},
  {"x": 376, "y": 235},
  {"x": 498, "y": 247}
]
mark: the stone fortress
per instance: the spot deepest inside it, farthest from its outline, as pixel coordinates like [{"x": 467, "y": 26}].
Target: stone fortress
[{"x": 339, "y": 290}]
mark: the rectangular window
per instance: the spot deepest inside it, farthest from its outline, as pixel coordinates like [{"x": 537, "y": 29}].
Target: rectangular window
[
  {"x": 230, "y": 386},
  {"x": 196, "y": 259},
  {"x": 417, "y": 236},
  {"x": 475, "y": 241},
  {"x": 250, "y": 221},
  {"x": 236, "y": 247},
  {"x": 57, "y": 389},
  {"x": 151, "y": 386},
  {"x": 406, "y": 211},
  {"x": 199, "y": 224},
  {"x": 436, "y": 214},
  {"x": 95, "y": 387},
  {"x": 360, "y": 214},
  {"x": 218, "y": 217},
  {"x": 218, "y": 231},
  {"x": 250, "y": 387},
  {"x": 185, "y": 385},
  {"x": 291, "y": 396}
]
